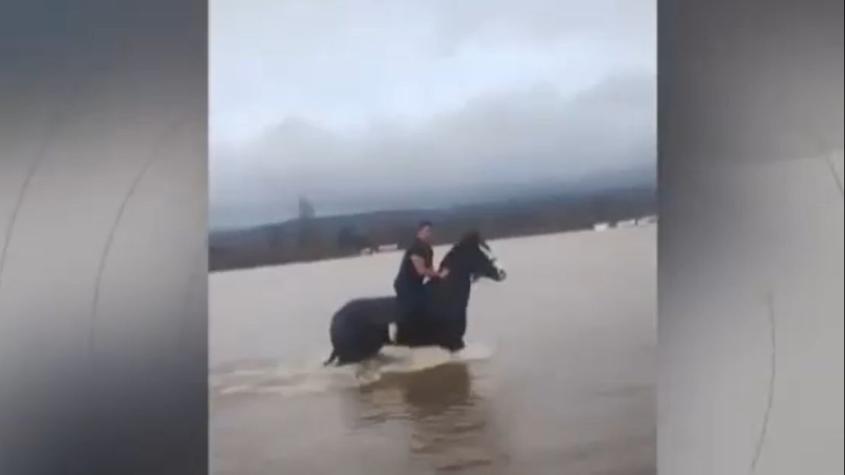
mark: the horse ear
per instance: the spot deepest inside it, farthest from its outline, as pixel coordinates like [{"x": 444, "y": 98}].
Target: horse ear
[
  {"x": 472, "y": 237},
  {"x": 478, "y": 241}
]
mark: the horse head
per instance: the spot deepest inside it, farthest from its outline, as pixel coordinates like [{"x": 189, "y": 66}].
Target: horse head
[{"x": 473, "y": 257}]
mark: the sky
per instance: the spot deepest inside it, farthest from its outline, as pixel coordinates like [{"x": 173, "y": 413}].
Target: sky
[{"x": 379, "y": 104}]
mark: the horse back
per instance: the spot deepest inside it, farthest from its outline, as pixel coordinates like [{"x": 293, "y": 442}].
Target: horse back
[{"x": 374, "y": 310}]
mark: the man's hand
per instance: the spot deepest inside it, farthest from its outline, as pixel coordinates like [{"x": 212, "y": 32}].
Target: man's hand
[{"x": 419, "y": 265}]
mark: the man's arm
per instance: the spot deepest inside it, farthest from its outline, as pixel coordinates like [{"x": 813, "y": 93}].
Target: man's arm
[{"x": 420, "y": 267}]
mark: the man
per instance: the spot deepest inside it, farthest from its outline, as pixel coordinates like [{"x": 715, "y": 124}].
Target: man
[{"x": 416, "y": 266}]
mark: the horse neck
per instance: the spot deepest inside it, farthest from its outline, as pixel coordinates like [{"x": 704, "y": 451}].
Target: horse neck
[{"x": 456, "y": 288}]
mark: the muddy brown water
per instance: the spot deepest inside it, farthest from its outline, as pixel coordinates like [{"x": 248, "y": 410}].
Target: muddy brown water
[{"x": 558, "y": 376}]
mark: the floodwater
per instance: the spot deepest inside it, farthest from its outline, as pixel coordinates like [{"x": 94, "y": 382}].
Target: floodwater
[{"x": 558, "y": 376}]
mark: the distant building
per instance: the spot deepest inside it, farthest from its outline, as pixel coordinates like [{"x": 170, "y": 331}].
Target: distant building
[
  {"x": 601, "y": 227},
  {"x": 628, "y": 223},
  {"x": 646, "y": 220}
]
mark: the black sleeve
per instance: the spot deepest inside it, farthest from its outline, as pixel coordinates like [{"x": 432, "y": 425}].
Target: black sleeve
[{"x": 418, "y": 250}]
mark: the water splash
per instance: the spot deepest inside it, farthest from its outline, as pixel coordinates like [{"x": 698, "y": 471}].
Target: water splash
[{"x": 311, "y": 377}]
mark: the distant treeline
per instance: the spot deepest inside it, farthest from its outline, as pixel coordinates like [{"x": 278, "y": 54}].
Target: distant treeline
[{"x": 311, "y": 237}]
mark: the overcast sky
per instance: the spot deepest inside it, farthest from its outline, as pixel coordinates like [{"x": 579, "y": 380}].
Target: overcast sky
[{"x": 366, "y": 104}]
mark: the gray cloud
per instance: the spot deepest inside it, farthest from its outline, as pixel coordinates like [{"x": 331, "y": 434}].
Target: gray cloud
[
  {"x": 376, "y": 104},
  {"x": 531, "y": 135}
]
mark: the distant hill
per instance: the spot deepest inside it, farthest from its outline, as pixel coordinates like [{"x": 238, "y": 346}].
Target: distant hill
[
  {"x": 314, "y": 237},
  {"x": 431, "y": 193}
]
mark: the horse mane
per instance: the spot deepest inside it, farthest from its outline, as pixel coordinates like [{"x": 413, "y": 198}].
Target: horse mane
[
  {"x": 459, "y": 252},
  {"x": 470, "y": 240}
]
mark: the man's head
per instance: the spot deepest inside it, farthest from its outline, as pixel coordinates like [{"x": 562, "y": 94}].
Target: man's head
[{"x": 424, "y": 231}]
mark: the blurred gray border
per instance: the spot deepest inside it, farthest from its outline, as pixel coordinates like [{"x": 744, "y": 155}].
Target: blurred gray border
[
  {"x": 103, "y": 267},
  {"x": 751, "y": 237},
  {"x": 103, "y": 221}
]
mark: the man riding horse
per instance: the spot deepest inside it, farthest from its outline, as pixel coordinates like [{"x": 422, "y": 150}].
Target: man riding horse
[{"x": 424, "y": 314}]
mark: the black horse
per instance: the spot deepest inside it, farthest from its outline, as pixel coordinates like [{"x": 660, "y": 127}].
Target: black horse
[{"x": 361, "y": 327}]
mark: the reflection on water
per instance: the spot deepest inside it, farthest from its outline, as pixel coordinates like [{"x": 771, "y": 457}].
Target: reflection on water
[
  {"x": 438, "y": 419},
  {"x": 448, "y": 420}
]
